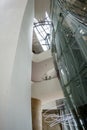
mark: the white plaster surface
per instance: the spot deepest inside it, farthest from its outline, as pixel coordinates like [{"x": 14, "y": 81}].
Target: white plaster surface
[{"x": 16, "y": 19}]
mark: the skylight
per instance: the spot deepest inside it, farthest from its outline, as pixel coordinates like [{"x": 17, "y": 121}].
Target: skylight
[{"x": 42, "y": 30}]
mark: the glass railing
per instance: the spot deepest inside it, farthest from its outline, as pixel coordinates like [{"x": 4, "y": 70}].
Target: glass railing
[
  {"x": 59, "y": 116},
  {"x": 69, "y": 49}
]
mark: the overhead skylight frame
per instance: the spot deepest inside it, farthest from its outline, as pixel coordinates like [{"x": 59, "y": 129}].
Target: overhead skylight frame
[{"x": 42, "y": 30}]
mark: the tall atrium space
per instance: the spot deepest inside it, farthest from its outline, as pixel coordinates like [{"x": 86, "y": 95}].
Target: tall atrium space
[{"x": 43, "y": 64}]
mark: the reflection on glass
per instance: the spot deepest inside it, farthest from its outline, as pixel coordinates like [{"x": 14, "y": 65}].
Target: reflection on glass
[
  {"x": 77, "y": 7},
  {"x": 71, "y": 50}
]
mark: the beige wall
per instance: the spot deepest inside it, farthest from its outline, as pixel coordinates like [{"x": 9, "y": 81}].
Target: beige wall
[{"x": 36, "y": 114}]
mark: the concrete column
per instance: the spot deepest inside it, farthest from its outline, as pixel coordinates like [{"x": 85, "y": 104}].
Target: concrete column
[{"x": 36, "y": 114}]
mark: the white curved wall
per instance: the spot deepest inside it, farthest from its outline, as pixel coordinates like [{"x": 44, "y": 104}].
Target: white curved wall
[
  {"x": 47, "y": 90},
  {"x": 15, "y": 64},
  {"x": 42, "y": 56},
  {"x": 39, "y": 69}
]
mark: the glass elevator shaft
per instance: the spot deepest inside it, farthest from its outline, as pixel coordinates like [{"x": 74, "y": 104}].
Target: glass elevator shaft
[{"x": 69, "y": 50}]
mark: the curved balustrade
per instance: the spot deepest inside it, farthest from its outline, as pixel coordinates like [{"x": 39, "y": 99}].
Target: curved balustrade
[{"x": 62, "y": 116}]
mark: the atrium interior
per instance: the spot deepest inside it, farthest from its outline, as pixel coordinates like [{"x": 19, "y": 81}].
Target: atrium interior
[{"x": 43, "y": 65}]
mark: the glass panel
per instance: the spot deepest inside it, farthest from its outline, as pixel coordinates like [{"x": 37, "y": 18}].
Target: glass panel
[{"x": 70, "y": 42}]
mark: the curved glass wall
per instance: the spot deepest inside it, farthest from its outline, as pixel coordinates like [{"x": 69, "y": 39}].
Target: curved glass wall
[{"x": 69, "y": 49}]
